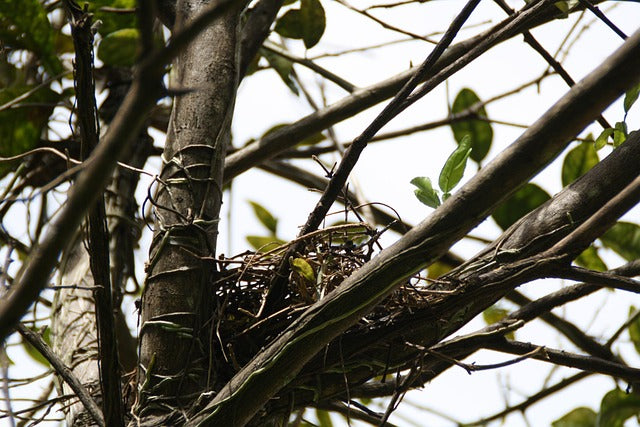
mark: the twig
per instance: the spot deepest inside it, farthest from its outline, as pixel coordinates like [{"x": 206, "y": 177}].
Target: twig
[
  {"x": 557, "y": 67},
  {"x": 521, "y": 407},
  {"x": 385, "y": 24},
  {"x": 67, "y": 375},
  {"x": 349, "y": 87},
  {"x": 145, "y": 90},
  {"x": 350, "y": 158},
  {"x": 598, "y": 278},
  {"x": 597, "y": 12},
  {"x": 572, "y": 360}
]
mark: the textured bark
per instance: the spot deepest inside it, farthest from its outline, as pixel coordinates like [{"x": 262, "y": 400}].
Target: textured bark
[
  {"x": 74, "y": 330},
  {"x": 176, "y": 303}
]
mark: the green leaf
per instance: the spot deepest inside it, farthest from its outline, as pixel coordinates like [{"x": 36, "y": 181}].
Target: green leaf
[
  {"x": 265, "y": 217},
  {"x": 619, "y": 134},
  {"x": 616, "y": 407},
  {"x": 307, "y": 23},
  {"x": 495, "y": 314},
  {"x": 521, "y": 203},
  {"x": 22, "y": 126},
  {"x": 624, "y": 239},
  {"x": 634, "y": 329},
  {"x": 631, "y": 97},
  {"x": 590, "y": 259},
  {"x": 310, "y": 140},
  {"x": 578, "y": 161},
  {"x": 304, "y": 269},
  {"x": 264, "y": 243},
  {"x": 453, "y": 169},
  {"x": 579, "y": 417},
  {"x": 33, "y": 352},
  {"x": 283, "y": 67},
  {"x": 425, "y": 192},
  {"x": 603, "y": 138},
  {"x": 112, "y": 21},
  {"x": 324, "y": 419},
  {"x": 24, "y": 25},
  {"x": 480, "y": 131},
  {"x": 119, "y": 48}
]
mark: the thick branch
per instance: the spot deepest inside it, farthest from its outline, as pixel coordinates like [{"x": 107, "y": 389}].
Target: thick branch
[
  {"x": 270, "y": 370},
  {"x": 144, "y": 92}
]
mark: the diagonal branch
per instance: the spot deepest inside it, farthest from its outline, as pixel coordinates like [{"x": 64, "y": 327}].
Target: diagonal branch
[
  {"x": 351, "y": 155},
  {"x": 144, "y": 92},
  {"x": 258, "y": 381},
  {"x": 288, "y": 136},
  {"x": 38, "y": 343}
]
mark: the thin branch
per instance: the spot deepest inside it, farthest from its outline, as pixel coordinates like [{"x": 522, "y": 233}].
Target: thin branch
[
  {"x": 260, "y": 379},
  {"x": 256, "y": 30},
  {"x": 350, "y": 158},
  {"x": 129, "y": 119},
  {"x": 98, "y": 239},
  {"x": 542, "y": 394},
  {"x": 557, "y": 67},
  {"x": 352, "y": 411},
  {"x": 65, "y": 373},
  {"x": 385, "y": 24},
  {"x": 349, "y": 87},
  {"x": 564, "y": 358},
  {"x": 599, "y": 278},
  {"x": 597, "y": 12}
]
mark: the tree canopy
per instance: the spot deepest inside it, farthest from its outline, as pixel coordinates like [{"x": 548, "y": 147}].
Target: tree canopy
[{"x": 164, "y": 262}]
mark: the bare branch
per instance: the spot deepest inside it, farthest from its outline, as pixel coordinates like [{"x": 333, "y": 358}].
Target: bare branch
[{"x": 36, "y": 340}]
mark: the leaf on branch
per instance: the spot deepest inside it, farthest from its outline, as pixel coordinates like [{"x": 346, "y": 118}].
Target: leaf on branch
[
  {"x": 307, "y": 23},
  {"x": 324, "y": 419},
  {"x": 265, "y": 217},
  {"x": 494, "y": 314},
  {"x": 603, "y": 138},
  {"x": 590, "y": 259},
  {"x": 619, "y": 134},
  {"x": 112, "y": 21},
  {"x": 283, "y": 67},
  {"x": 521, "y": 203},
  {"x": 634, "y": 329},
  {"x": 120, "y": 48},
  {"x": 616, "y": 407},
  {"x": 455, "y": 165},
  {"x": 22, "y": 125},
  {"x": 624, "y": 239},
  {"x": 24, "y": 25},
  {"x": 579, "y": 417},
  {"x": 304, "y": 269},
  {"x": 33, "y": 352},
  {"x": 631, "y": 97},
  {"x": 480, "y": 131},
  {"x": 578, "y": 161},
  {"x": 425, "y": 192},
  {"x": 264, "y": 243}
]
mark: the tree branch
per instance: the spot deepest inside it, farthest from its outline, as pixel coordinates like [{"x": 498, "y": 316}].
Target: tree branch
[
  {"x": 65, "y": 373},
  {"x": 253, "y": 386},
  {"x": 144, "y": 92}
]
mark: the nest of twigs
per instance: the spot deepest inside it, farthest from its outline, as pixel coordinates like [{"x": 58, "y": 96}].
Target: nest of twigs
[{"x": 327, "y": 257}]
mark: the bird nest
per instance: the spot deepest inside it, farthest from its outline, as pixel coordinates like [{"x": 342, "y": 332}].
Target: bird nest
[{"x": 323, "y": 260}]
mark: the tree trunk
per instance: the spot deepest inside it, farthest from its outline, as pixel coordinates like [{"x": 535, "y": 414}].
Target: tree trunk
[{"x": 174, "y": 364}]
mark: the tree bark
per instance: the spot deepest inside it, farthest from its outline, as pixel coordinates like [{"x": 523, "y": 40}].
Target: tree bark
[{"x": 175, "y": 357}]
